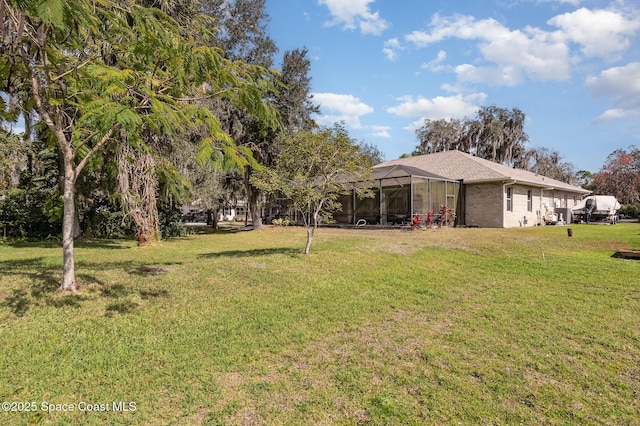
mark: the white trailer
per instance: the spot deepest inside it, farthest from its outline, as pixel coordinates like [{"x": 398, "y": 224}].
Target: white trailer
[{"x": 597, "y": 208}]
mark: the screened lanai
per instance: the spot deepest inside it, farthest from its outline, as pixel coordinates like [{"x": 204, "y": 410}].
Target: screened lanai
[{"x": 400, "y": 192}]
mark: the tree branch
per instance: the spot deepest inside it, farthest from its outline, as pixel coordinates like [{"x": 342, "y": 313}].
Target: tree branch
[
  {"x": 96, "y": 148},
  {"x": 88, "y": 61}
]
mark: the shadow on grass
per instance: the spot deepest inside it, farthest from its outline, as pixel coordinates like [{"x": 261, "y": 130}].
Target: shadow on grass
[
  {"x": 253, "y": 252},
  {"x": 44, "y": 282},
  {"x": 121, "y": 307},
  {"x": 105, "y": 244},
  {"x": 146, "y": 271},
  {"x": 200, "y": 229},
  {"x": 18, "y": 302},
  {"x": 80, "y": 243}
]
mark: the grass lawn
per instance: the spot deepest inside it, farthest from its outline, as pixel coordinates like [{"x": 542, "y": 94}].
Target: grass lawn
[{"x": 448, "y": 326}]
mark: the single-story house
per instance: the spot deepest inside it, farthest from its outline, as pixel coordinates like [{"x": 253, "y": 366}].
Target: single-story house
[{"x": 483, "y": 193}]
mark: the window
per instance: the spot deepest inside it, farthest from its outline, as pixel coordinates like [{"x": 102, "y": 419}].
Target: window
[
  {"x": 529, "y": 201},
  {"x": 509, "y": 199}
]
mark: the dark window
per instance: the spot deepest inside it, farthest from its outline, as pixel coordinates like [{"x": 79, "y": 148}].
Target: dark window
[
  {"x": 529, "y": 201},
  {"x": 509, "y": 199}
]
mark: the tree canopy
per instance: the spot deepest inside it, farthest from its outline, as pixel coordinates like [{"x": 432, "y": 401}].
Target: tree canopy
[
  {"x": 548, "y": 162},
  {"x": 620, "y": 175},
  {"x": 496, "y": 134}
]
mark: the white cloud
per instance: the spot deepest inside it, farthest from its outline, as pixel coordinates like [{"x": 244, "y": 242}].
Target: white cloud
[
  {"x": 571, "y": 2},
  {"x": 538, "y": 54},
  {"x": 618, "y": 81},
  {"x": 452, "y": 88},
  {"x": 390, "y": 49},
  {"x": 380, "y": 132},
  {"x": 509, "y": 57},
  {"x": 458, "y": 26},
  {"x": 623, "y": 85},
  {"x": 505, "y": 76},
  {"x": 436, "y": 64},
  {"x": 616, "y": 114},
  {"x": 440, "y": 107},
  {"x": 341, "y": 107},
  {"x": 602, "y": 33},
  {"x": 353, "y": 14}
]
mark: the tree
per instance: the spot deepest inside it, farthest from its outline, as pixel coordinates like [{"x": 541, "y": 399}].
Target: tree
[
  {"x": 241, "y": 33},
  {"x": 29, "y": 198},
  {"x": 313, "y": 169},
  {"x": 373, "y": 152},
  {"x": 547, "y": 162},
  {"x": 620, "y": 175},
  {"x": 294, "y": 101},
  {"x": 99, "y": 73},
  {"x": 495, "y": 134},
  {"x": 442, "y": 135},
  {"x": 498, "y": 135},
  {"x": 294, "y": 104},
  {"x": 585, "y": 179},
  {"x": 242, "y": 30},
  {"x": 13, "y": 157}
]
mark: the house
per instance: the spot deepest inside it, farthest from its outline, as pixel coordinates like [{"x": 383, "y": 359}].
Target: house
[
  {"x": 483, "y": 193},
  {"x": 230, "y": 211}
]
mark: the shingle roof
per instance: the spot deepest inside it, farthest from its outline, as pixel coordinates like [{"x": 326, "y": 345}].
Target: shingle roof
[{"x": 458, "y": 165}]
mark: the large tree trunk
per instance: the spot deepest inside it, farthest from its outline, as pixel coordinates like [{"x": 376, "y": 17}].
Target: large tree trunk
[
  {"x": 253, "y": 196},
  {"x": 138, "y": 185},
  {"x": 68, "y": 219}
]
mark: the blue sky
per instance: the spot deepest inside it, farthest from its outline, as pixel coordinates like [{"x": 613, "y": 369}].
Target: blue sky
[{"x": 383, "y": 66}]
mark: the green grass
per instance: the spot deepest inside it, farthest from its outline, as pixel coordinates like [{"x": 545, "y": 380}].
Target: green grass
[{"x": 448, "y": 326}]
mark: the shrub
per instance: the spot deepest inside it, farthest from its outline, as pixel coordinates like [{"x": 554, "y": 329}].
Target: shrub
[
  {"x": 103, "y": 219},
  {"x": 171, "y": 224},
  {"x": 447, "y": 215},
  {"x": 24, "y": 214},
  {"x": 630, "y": 210}
]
